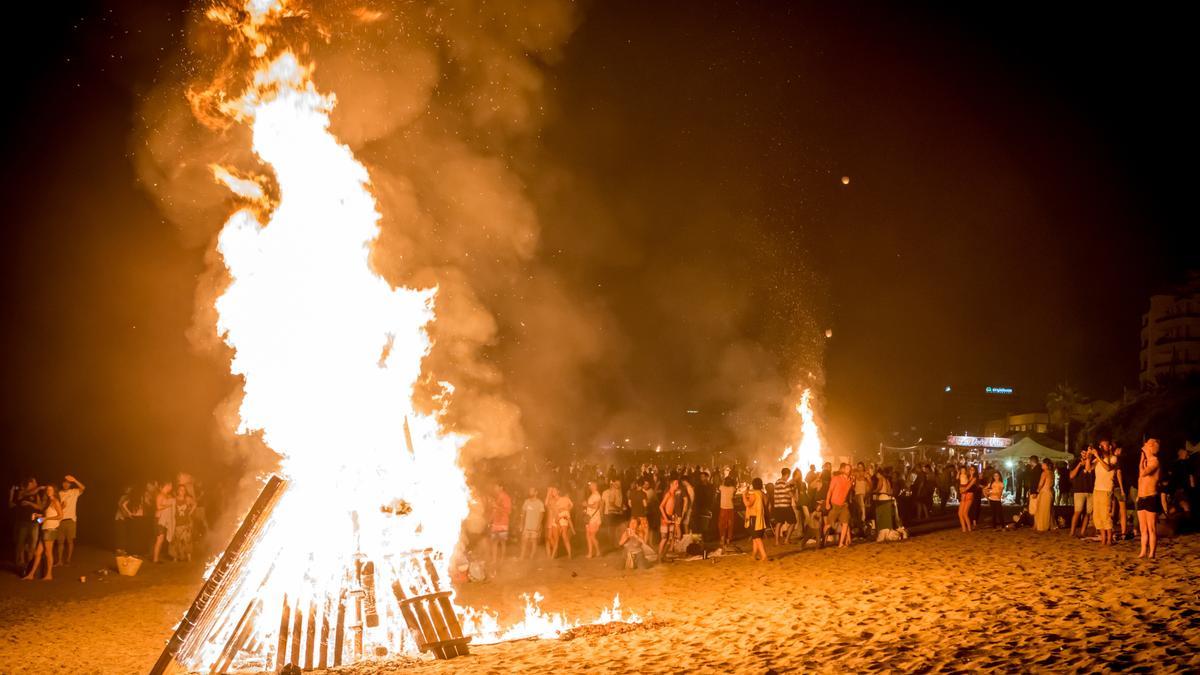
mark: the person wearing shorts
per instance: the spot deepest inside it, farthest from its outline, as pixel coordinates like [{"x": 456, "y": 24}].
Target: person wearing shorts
[
  {"x": 1081, "y": 489},
  {"x": 1148, "y": 503},
  {"x": 725, "y": 516},
  {"x": 781, "y": 506},
  {"x": 533, "y": 512},
  {"x": 837, "y": 502},
  {"x": 756, "y": 521}
]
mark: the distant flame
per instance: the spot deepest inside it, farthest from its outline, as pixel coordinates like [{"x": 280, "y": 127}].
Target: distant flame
[{"x": 809, "y": 449}]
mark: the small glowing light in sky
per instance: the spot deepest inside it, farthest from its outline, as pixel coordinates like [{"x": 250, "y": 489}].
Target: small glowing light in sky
[
  {"x": 845, "y": 180},
  {"x": 828, "y": 332},
  {"x": 947, "y": 387}
]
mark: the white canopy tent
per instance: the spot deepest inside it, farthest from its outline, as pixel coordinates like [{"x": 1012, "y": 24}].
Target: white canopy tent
[{"x": 1025, "y": 448}]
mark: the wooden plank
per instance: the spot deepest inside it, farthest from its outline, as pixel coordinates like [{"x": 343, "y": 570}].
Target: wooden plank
[
  {"x": 440, "y": 628},
  {"x": 297, "y": 625},
  {"x": 323, "y": 660},
  {"x": 410, "y": 619},
  {"x": 310, "y": 636},
  {"x": 237, "y": 638},
  {"x": 339, "y": 634},
  {"x": 281, "y": 649},
  {"x": 428, "y": 632}
]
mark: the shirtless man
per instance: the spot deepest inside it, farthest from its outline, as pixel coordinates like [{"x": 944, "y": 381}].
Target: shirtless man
[
  {"x": 673, "y": 503},
  {"x": 1148, "y": 504}
]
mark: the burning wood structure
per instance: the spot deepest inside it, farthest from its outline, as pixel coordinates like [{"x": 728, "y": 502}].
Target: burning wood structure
[{"x": 227, "y": 628}]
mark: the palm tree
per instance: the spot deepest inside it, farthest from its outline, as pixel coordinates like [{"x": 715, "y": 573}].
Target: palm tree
[{"x": 1064, "y": 405}]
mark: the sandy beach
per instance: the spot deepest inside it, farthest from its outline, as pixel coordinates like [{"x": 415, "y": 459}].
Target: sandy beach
[{"x": 944, "y": 602}]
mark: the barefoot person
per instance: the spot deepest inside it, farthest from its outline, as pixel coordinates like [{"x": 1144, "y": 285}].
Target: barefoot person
[
  {"x": 781, "y": 506},
  {"x": 1148, "y": 504},
  {"x": 1081, "y": 492},
  {"x": 1043, "y": 516},
  {"x": 564, "y": 522},
  {"x": 533, "y": 511},
  {"x": 1102, "y": 463},
  {"x": 668, "y": 510},
  {"x": 837, "y": 503},
  {"x": 592, "y": 511},
  {"x": 164, "y": 519},
  {"x": 501, "y": 513},
  {"x": 50, "y": 518},
  {"x": 69, "y": 498},
  {"x": 966, "y": 496},
  {"x": 995, "y": 497},
  {"x": 756, "y": 517},
  {"x": 725, "y": 516},
  {"x": 552, "y": 537}
]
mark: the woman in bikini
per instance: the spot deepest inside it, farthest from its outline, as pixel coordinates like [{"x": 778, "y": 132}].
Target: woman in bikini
[
  {"x": 566, "y": 525},
  {"x": 591, "y": 513},
  {"x": 966, "y": 496},
  {"x": 551, "y": 523}
]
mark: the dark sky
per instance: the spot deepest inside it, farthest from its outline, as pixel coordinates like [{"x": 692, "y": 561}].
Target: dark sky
[{"x": 1020, "y": 182}]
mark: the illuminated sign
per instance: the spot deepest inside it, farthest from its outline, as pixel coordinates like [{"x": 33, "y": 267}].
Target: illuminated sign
[
  {"x": 978, "y": 441},
  {"x": 998, "y": 390}
]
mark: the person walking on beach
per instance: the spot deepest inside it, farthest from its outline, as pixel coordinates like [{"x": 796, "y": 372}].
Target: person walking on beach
[
  {"x": 756, "y": 517},
  {"x": 966, "y": 496},
  {"x": 838, "y": 503},
  {"x": 638, "y": 501},
  {"x": 725, "y": 515},
  {"x": 533, "y": 511},
  {"x": 1043, "y": 515},
  {"x": 1148, "y": 503},
  {"x": 670, "y": 510},
  {"x": 782, "y": 514},
  {"x": 164, "y": 519},
  {"x": 50, "y": 518},
  {"x": 501, "y": 513},
  {"x": 564, "y": 523},
  {"x": 24, "y": 500},
  {"x": 1102, "y": 494},
  {"x": 592, "y": 510},
  {"x": 68, "y": 496},
  {"x": 995, "y": 497},
  {"x": 1081, "y": 494}
]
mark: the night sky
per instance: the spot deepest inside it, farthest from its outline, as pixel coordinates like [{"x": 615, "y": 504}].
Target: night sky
[{"x": 1019, "y": 186}]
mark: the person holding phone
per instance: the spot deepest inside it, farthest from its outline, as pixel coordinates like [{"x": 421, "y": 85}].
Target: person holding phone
[{"x": 1105, "y": 467}]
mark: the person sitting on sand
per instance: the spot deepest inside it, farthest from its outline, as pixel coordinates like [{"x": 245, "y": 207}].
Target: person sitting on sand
[
  {"x": 50, "y": 518},
  {"x": 638, "y": 554},
  {"x": 1148, "y": 504},
  {"x": 756, "y": 517},
  {"x": 637, "y": 501}
]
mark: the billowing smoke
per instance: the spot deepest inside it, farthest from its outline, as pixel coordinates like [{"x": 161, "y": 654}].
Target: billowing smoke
[{"x": 555, "y": 323}]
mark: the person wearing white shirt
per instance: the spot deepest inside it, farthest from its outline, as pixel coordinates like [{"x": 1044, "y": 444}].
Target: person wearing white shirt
[
  {"x": 1105, "y": 467},
  {"x": 69, "y": 497}
]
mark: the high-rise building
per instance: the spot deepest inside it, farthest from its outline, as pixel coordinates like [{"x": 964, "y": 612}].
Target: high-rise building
[{"x": 1171, "y": 334}]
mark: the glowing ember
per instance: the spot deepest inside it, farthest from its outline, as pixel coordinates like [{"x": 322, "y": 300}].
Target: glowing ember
[{"x": 809, "y": 449}]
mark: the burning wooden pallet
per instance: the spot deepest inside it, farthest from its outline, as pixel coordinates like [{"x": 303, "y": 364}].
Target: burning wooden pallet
[{"x": 316, "y": 630}]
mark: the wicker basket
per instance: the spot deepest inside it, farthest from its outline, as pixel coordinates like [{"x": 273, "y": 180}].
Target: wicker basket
[{"x": 128, "y": 565}]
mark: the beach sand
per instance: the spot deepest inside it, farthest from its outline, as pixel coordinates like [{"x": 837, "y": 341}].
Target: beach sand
[{"x": 945, "y": 602}]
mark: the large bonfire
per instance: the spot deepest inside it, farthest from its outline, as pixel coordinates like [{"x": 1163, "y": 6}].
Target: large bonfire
[{"x": 329, "y": 353}]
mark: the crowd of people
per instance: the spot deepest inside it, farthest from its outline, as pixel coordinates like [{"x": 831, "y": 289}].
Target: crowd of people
[
  {"x": 44, "y": 525},
  {"x": 163, "y": 521},
  {"x": 650, "y": 511}
]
